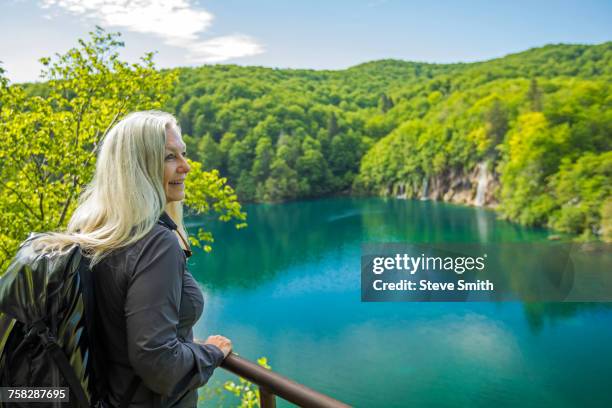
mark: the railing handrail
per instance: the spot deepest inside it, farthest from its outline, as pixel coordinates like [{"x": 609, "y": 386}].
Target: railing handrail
[{"x": 270, "y": 382}]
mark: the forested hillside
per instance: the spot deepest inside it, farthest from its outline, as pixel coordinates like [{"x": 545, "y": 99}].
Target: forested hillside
[{"x": 528, "y": 133}]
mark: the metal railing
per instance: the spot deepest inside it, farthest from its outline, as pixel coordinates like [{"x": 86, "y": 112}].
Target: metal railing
[{"x": 272, "y": 384}]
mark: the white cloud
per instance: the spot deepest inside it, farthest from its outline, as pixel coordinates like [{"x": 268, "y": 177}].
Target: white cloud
[
  {"x": 177, "y": 22},
  {"x": 224, "y": 48}
]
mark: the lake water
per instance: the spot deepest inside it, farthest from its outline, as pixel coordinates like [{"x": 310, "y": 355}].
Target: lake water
[{"x": 288, "y": 288}]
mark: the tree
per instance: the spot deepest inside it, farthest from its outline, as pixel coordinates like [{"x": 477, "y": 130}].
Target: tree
[
  {"x": 332, "y": 125},
  {"x": 264, "y": 153},
  {"x": 312, "y": 168},
  {"x": 199, "y": 128},
  {"x": 533, "y": 154},
  {"x": 497, "y": 119},
  {"x": 385, "y": 103},
  {"x": 238, "y": 159},
  {"x": 245, "y": 186},
  {"x": 48, "y": 144},
  {"x": 583, "y": 187},
  {"x": 534, "y": 95},
  {"x": 209, "y": 153},
  {"x": 345, "y": 153},
  {"x": 185, "y": 116},
  {"x": 282, "y": 183},
  {"x": 288, "y": 148}
]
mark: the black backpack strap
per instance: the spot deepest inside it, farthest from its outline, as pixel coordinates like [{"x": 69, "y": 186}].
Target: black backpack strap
[
  {"x": 131, "y": 391},
  {"x": 57, "y": 354},
  {"x": 99, "y": 366}
]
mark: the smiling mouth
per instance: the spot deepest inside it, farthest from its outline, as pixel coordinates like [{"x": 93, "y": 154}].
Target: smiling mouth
[{"x": 176, "y": 183}]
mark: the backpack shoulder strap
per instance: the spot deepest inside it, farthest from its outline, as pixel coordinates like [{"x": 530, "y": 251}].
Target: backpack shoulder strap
[
  {"x": 131, "y": 391},
  {"x": 86, "y": 272},
  {"x": 57, "y": 354}
]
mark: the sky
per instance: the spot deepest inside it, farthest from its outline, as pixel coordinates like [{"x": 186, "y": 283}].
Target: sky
[{"x": 317, "y": 34}]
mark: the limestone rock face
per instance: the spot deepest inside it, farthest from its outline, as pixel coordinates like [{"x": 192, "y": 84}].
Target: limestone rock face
[{"x": 475, "y": 187}]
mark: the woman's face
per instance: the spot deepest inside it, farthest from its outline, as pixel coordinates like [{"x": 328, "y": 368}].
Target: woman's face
[{"x": 175, "y": 166}]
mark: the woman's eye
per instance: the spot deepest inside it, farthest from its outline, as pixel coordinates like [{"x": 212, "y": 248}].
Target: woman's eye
[
  {"x": 184, "y": 154},
  {"x": 170, "y": 157}
]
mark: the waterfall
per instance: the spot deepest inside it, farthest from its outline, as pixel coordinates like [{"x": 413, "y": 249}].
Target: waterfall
[
  {"x": 401, "y": 191},
  {"x": 425, "y": 192},
  {"x": 481, "y": 190}
]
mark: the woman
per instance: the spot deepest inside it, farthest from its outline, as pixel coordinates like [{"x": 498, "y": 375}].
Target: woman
[{"x": 129, "y": 222}]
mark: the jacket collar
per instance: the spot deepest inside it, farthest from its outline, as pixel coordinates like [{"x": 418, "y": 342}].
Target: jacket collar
[{"x": 167, "y": 222}]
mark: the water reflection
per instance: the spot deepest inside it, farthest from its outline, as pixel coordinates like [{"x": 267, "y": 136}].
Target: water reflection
[
  {"x": 280, "y": 236},
  {"x": 538, "y": 315},
  {"x": 288, "y": 287}
]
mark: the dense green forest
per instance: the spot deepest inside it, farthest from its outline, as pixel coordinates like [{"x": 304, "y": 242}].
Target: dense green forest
[
  {"x": 533, "y": 128},
  {"x": 528, "y": 134}
]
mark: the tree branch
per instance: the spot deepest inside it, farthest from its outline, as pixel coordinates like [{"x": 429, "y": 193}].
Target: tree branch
[
  {"x": 98, "y": 143},
  {"x": 80, "y": 117},
  {"x": 41, "y": 199},
  {"x": 20, "y": 198},
  {"x": 75, "y": 181}
]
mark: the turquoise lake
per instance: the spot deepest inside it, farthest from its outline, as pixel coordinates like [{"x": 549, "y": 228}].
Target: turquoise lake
[{"x": 288, "y": 287}]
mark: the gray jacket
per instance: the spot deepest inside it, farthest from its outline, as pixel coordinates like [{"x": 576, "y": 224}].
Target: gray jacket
[{"x": 147, "y": 303}]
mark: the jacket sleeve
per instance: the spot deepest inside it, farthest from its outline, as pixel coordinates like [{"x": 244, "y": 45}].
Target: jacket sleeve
[{"x": 165, "y": 363}]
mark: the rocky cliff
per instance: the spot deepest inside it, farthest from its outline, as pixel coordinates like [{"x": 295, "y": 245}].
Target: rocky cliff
[{"x": 474, "y": 187}]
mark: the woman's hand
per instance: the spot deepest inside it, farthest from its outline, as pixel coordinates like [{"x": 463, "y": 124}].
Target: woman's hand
[{"x": 223, "y": 343}]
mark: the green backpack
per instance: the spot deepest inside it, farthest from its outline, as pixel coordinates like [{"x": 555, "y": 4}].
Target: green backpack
[{"x": 48, "y": 327}]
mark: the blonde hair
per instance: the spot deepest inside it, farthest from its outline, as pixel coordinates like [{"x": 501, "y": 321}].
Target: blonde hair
[{"x": 126, "y": 196}]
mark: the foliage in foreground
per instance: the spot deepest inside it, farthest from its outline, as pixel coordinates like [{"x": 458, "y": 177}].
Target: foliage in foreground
[
  {"x": 244, "y": 391},
  {"x": 48, "y": 142}
]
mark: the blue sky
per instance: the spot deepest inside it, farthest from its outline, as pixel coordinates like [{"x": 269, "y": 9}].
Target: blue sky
[{"x": 297, "y": 34}]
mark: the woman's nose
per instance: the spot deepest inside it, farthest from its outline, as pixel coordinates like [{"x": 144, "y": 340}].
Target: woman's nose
[{"x": 185, "y": 167}]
